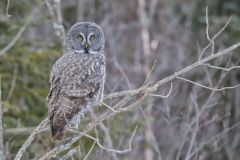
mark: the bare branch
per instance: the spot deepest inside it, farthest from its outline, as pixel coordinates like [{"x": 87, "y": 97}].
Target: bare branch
[
  {"x": 13, "y": 83},
  {"x": 122, "y": 72},
  {"x": 8, "y": 15},
  {"x": 19, "y": 131},
  {"x": 2, "y": 153},
  {"x": 210, "y": 140},
  {"x": 207, "y": 25},
  {"x": 195, "y": 132},
  {"x": 206, "y": 87},
  {"x": 56, "y": 14},
  {"x": 221, "y": 68},
  {"x": 153, "y": 140},
  {"x": 110, "y": 149},
  {"x": 107, "y": 106},
  {"x": 106, "y": 134},
  {"x": 90, "y": 151},
  {"x": 150, "y": 71},
  {"x": 16, "y": 37},
  {"x": 127, "y": 92},
  {"x": 199, "y": 113},
  {"x": 163, "y": 96},
  {"x": 196, "y": 64},
  {"x": 134, "y": 104},
  {"x": 119, "y": 151},
  {"x": 38, "y": 130},
  {"x": 214, "y": 37},
  {"x": 70, "y": 153}
]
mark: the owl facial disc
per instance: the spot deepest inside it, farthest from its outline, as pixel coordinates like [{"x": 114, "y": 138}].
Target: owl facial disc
[{"x": 86, "y": 38}]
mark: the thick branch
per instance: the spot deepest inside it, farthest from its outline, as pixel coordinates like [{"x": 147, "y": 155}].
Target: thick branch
[{"x": 38, "y": 130}]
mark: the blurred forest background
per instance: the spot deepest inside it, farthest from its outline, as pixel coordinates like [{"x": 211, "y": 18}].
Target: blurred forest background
[{"x": 176, "y": 35}]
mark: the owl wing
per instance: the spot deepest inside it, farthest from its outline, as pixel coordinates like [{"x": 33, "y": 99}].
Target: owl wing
[{"x": 72, "y": 80}]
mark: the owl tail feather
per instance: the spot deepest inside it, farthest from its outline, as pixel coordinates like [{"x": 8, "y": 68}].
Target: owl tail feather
[{"x": 57, "y": 134}]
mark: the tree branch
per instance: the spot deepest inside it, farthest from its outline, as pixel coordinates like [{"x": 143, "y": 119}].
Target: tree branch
[
  {"x": 16, "y": 37},
  {"x": 2, "y": 153}
]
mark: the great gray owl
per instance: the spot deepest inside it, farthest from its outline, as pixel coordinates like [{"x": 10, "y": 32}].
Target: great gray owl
[{"x": 77, "y": 78}]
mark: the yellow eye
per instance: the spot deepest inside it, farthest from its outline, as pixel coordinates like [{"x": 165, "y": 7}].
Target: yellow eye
[
  {"x": 80, "y": 38},
  {"x": 92, "y": 37}
]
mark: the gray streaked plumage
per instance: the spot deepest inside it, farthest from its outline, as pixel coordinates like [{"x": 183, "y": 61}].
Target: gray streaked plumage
[{"x": 77, "y": 78}]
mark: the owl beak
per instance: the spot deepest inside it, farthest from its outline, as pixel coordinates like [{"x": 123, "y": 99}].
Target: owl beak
[{"x": 86, "y": 46}]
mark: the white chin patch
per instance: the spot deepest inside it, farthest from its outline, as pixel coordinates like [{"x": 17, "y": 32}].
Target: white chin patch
[
  {"x": 79, "y": 51},
  {"x": 90, "y": 51},
  {"x": 93, "y": 52}
]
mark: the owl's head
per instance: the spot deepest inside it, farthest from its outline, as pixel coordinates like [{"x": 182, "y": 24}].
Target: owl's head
[{"x": 85, "y": 38}]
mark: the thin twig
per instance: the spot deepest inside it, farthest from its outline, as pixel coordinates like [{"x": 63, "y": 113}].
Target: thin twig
[
  {"x": 207, "y": 32},
  {"x": 136, "y": 103},
  {"x": 153, "y": 140},
  {"x": 16, "y": 37},
  {"x": 213, "y": 138},
  {"x": 195, "y": 132},
  {"x": 150, "y": 71},
  {"x": 19, "y": 131},
  {"x": 163, "y": 96},
  {"x": 90, "y": 151},
  {"x": 207, "y": 25},
  {"x": 111, "y": 149},
  {"x": 106, "y": 134},
  {"x": 221, "y": 68},
  {"x": 8, "y": 3},
  {"x": 196, "y": 64},
  {"x": 214, "y": 37},
  {"x": 70, "y": 153},
  {"x": 107, "y": 106},
  {"x": 194, "y": 121},
  {"x": 115, "y": 150},
  {"x": 122, "y": 72},
  {"x": 206, "y": 87}
]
